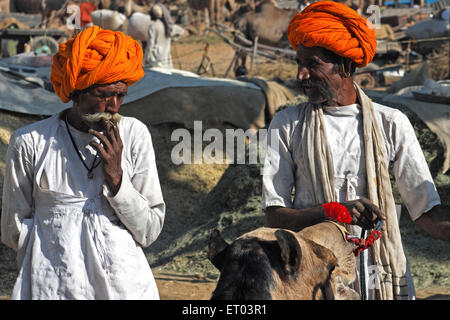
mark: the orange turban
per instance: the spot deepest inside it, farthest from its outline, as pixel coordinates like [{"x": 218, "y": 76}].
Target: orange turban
[
  {"x": 335, "y": 27},
  {"x": 95, "y": 56}
]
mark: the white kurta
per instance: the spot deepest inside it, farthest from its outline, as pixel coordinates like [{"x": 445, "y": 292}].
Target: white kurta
[
  {"x": 73, "y": 238},
  {"x": 344, "y": 130},
  {"x": 157, "y": 50}
]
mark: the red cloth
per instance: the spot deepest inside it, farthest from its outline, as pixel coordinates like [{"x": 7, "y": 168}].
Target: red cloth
[
  {"x": 336, "y": 27},
  {"x": 337, "y": 212},
  {"x": 86, "y": 8}
]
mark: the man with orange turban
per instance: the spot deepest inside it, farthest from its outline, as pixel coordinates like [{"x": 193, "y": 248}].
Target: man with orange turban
[
  {"x": 81, "y": 193},
  {"x": 335, "y": 151}
]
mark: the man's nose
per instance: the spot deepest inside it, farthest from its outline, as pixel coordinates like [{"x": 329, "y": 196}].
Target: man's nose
[
  {"x": 302, "y": 74},
  {"x": 113, "y": 104}
]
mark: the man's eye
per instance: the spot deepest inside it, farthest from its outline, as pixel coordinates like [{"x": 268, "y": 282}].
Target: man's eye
[
  {"x": 99, "y": 95},
  {"x": 105, "y": 96}
]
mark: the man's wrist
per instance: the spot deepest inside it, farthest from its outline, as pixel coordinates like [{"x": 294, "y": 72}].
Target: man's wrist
[{"x": 114, "y": 186}]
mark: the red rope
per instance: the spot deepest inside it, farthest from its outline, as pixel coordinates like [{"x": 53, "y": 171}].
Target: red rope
[{"x": 364, "y": 244}]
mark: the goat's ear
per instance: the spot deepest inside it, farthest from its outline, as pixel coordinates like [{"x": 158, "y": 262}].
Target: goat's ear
[
  {"x": 291, "y": 253},
  {"x": 217, "y": 248}
]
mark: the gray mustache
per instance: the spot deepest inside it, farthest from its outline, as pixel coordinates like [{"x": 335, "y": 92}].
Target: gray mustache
[
  {"x": 322, "y": 87},
  {"x": 97, "y": 117}
]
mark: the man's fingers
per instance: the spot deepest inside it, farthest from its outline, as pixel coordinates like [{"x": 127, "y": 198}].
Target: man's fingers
[
  {"x": 103, "y": 139},
  {"x": 99, "y": 148},
  {"x": 355, "y": 215},
  {"x": 111, "y": 131},
  {"x": 113, "y": 135},
  {"x": 364, "y": 213},
  {"x": 118, "y": 139},
  {"x": 373, "y": 208},
  {"x": 376, "y": 212},
  {"x": 360, "y": 206}
]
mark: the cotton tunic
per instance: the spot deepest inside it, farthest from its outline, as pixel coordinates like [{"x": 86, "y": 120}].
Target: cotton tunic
[
  {"x": 74, "y": 239},
  {"x": 286, "y": 172},
  {"x": 157, "y": 50}
]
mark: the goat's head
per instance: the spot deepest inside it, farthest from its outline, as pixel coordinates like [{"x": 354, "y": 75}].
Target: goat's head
[{"x": 271, "y": 264}]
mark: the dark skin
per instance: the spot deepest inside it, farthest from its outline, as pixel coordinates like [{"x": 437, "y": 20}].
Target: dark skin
[
  {"x": 98, "y": 99},
  {"x": 315, "y": 67}
]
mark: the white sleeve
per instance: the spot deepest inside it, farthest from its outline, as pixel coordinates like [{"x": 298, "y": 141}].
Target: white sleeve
[
  {"x": 413, "y": 177},
  {"x": 139, "y": 203},
  {"x": 17, "y": 200},
  {"x": 278, "y": 176},
  {"x": 151, "y": 37}
]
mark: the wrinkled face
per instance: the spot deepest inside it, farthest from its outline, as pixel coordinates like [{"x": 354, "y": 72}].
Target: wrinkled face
[
  {"x": 100, "y": 102},
  {"x": 317, "y": 75}
]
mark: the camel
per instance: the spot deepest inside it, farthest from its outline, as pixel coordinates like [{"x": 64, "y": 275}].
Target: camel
[
  {"x": 214, "y": 8},
  {"x": 268, "y": 22}
]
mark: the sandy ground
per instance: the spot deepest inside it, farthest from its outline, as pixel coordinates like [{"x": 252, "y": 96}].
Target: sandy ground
[
  {"x": 185, "y": 187},
  {"x": 174, "y": 286},
  {"x": 187, "y": 54}
]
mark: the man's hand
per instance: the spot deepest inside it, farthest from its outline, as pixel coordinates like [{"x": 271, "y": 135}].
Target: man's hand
[
  {"x": 110, "y": 151},
  {"x": 364, "y": 213}
]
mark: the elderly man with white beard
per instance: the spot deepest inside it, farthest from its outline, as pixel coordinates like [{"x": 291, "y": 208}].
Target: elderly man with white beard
[
  {"x": 81, "y": 194},
  {"x": 335, "y": 151}
]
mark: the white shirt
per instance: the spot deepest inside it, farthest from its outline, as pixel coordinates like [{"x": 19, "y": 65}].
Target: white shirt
[
  {"x": 74, "y": 239},
  {"x": 157, "y": 50},
  {"x": 344, "y": 130}
]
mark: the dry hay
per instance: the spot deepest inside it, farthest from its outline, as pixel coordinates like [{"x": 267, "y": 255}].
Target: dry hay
[
  {"x": 439, "y": 63},
  {"x": 233, "y": 206}
]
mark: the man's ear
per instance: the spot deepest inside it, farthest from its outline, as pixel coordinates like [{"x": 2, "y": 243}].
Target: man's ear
[
  {"x": 346, "y": 67},
  {"x": 350, "y": 67}
]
